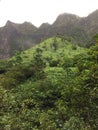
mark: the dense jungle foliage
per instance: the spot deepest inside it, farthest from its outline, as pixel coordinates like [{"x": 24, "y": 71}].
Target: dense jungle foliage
[{"x": 52, "y": 86}]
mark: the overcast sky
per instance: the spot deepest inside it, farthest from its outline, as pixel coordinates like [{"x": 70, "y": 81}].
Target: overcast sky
[{"x": 39, "y": 11}]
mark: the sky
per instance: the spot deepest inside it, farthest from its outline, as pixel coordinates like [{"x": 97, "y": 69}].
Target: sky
[{"x": 42, "y": 11}]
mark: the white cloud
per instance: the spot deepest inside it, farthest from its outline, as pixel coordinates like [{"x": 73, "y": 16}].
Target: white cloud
[{"x": 39, "y": 11}]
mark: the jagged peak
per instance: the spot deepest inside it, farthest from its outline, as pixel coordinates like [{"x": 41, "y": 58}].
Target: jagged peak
[
  {"x": 28, "y": 24},
  {"x": 8, "y": 23},
  {"x": 68, "y": 15},
  {"x": 45, "y": 25},
  {"x": 66, "y": 18}
]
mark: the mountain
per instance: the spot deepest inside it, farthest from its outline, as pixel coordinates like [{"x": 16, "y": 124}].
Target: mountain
[
  {"x": 52, "y": 86},
  {"x": 80, "y": 29},
  {"x": 15, "y": 37},
  {"x": 66, "y": 19},
  {"x": 67, "y": 24},
  {"x": 42, "y": 32},
  {"x": 92, "y": 23}
]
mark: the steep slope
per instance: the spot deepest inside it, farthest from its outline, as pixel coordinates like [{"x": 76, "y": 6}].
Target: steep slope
[
  {"x": 65, "y": 20},
  {"x": 42, "y": 32},
  {"x": 67, "y": 24},
  {"x": 52, "y": 49},
  {"x": 81, "y": 29},
  {"x": 51, "y": 86},
  {"x": 90, "y": 24},
  {"x": 15, "y": 37}
]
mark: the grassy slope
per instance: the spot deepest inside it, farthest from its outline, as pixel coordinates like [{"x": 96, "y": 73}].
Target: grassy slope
[
  {"x": 45, "y": 101},
  {"x": 64, "y": 48}
]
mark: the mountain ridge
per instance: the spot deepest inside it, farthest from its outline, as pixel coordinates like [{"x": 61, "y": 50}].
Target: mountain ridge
[{"x": 16, "y": 37}]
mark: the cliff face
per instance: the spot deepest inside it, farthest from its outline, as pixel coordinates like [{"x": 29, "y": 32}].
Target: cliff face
[{"x": 15, "y": 37}]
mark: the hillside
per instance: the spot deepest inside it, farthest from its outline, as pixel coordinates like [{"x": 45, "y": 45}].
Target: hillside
[
  {"x": 53, "y": 48},
  {"x": 16, "y": 37},
  {"x": 52, "y": 86}
]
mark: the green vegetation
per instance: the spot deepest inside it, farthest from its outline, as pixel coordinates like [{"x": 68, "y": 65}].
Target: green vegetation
[{"x": 53, "y": 86}]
